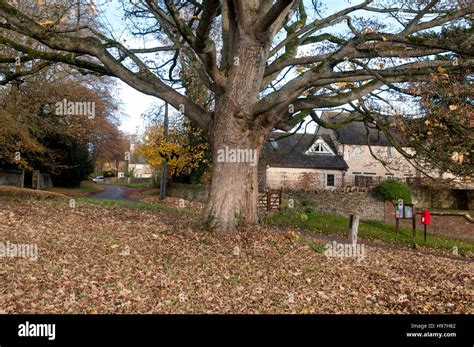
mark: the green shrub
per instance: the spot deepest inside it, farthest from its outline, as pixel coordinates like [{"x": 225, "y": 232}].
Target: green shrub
[
  {"x": 306, "y": 202},
  {"x": 394, "y": 190}
]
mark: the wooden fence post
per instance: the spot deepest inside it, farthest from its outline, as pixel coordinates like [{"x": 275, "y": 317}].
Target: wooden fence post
[
  {"x": 269, "y": 200},
  {"x": 279, "y": 200},
  {"x": 414, "y": 223},
  {"x": 353, "y": 228}
]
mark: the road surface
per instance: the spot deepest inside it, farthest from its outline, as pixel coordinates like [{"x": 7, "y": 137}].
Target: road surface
[{"x": 113, "y": 192}]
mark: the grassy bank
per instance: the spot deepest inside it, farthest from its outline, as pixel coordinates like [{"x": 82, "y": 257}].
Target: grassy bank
[
  {"x": 133, "y": 204},
  {"x": 331, "y": 224},
  {"x": 86, "y": 188}
]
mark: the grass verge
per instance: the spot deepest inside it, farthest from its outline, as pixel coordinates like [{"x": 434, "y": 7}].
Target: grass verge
[
  {"x": 331, "y": 224},
  {"x": 133, "y": 204},
  {"x": 86, "y": 188}
]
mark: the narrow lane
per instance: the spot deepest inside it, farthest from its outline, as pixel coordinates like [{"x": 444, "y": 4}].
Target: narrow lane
[{"x": 113, "y": 192}]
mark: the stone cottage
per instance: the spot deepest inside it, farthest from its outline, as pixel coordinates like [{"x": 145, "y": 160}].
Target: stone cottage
[{"x": 331, "y": 159}]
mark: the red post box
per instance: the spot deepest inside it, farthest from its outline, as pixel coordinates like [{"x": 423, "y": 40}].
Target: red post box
[{"x": 425, "y": 217}]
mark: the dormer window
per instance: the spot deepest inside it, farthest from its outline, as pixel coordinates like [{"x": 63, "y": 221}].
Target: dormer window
[{"x": 320, "y": 147}]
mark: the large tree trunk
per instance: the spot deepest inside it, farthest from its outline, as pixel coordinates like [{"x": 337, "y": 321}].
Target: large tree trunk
[
  {"x": 234, "y": 188},
  {"x": 233, "y": 197}
]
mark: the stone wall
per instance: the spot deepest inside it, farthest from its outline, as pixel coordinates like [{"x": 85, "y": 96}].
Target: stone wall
[
  {"x": 343, "y": 202},
  {"x": 16, "y": 178},
  {"x": 46, "y": 181},
  {"x": 41, "y": 180},
  {"x": 453, "y": 199},
  {"x": 301, "y": 178},
  {"x": 191, "y": 192},
  {"x": 12, "y": 178}
]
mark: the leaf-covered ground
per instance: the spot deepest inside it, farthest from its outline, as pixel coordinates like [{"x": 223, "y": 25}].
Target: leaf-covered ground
[{"x": 117, "y": 259}]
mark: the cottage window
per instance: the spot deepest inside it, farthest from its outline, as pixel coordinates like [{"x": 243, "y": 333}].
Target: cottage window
[
  {"x": 357, "y": 151},
  {"x": 330, "y": 180},
  {"x": 363, "y": 181},
  {"x": 389, "y": 151}
]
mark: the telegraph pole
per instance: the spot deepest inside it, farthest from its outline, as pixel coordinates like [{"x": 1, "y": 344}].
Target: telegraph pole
[{"x": 164, "y": 167}]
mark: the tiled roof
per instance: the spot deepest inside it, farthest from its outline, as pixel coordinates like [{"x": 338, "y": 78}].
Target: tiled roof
[
  {"x": 290, "y": 152},
  {"x": 355, "y": 133}
]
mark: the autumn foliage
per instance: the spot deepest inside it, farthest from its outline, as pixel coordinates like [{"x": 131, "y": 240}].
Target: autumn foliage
[
  {"x": 182, "y": 148},
  {"x": 443, "y": 137},
  {"x": 34, "y": 136}
]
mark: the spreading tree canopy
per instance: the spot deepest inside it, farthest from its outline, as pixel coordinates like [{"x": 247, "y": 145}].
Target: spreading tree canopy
[{"x": 258, "y": 64}]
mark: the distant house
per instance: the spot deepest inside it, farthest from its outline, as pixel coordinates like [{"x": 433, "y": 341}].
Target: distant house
[
  {"x": 140, "y": 170},
  {"x": 301, "y": 161},
  {"x": 364, "y": 148},
  {"x": 331, "y": 159},
  {"x": 133, "y": 164},
  {"x": 137, "y": 166}
]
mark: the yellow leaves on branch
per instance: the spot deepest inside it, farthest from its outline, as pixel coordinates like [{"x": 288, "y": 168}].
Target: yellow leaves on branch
[
  {"x": 457, "y": 157},
  {"x": 182, "y": 156},
  {"x": 46, "y": 22},
  {"x": 344, "y": 84},
  {"x": 369, "y": 30},
  {"x": 90, "y": 7}
]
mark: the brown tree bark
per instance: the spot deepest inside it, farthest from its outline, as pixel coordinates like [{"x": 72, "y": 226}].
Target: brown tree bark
[
  {"x": 233, "y": 195},
  {"x": 234, "y": 188}
]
